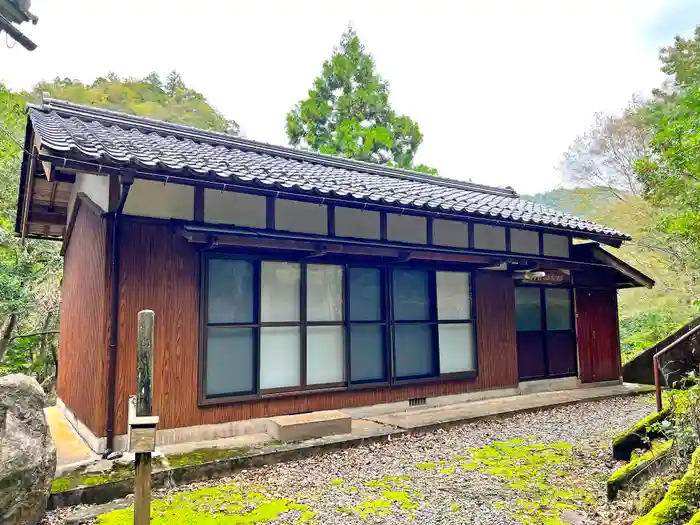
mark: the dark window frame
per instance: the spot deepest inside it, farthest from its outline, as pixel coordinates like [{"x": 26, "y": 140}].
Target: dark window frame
[
  {"x": 544, "y": 330},
  {"x": 387, "y": 322}
]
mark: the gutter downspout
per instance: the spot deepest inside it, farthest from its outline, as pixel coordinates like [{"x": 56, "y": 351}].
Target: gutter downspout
[{"x": 125, "y": 179}]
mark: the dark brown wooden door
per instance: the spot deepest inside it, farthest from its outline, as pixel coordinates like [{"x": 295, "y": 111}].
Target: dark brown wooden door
[{"x": 597, "y": 334}]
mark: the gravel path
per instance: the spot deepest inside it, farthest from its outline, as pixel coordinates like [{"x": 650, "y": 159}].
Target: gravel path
[{"x": 434, "y": 478}]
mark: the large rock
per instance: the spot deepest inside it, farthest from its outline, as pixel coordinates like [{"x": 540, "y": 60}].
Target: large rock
[{"x": 27, "y": 453}]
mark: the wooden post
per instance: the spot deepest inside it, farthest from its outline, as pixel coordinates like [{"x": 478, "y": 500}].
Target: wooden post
[
  {"x": 144, "y": 407},
  {"x": 144, "y": 364}
]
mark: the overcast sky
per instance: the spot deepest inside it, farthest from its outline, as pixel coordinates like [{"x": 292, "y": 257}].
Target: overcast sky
[{"x": 500, "y": 88}]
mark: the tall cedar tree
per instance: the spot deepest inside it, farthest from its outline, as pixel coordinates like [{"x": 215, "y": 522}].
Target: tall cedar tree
[{"x": 347, "y": 112}]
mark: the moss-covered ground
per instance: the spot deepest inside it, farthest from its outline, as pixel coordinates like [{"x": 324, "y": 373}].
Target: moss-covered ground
[
  {"x": 226, "y": 505},
  {"x": 542, "y": 480},
  {"x": 80, "y": 478}
]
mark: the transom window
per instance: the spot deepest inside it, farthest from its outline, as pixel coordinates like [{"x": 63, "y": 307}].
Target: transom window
[{"x": 277, "y": 326}]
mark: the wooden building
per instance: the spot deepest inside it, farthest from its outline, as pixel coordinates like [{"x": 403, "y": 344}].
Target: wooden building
[{"x": 285, "y": 281}]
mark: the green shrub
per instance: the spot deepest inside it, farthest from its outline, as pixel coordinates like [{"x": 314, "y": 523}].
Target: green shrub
[{"x": 641, "y": 330}]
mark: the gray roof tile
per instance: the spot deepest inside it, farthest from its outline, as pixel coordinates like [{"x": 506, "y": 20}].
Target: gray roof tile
[{"x": 110, "y": 137}]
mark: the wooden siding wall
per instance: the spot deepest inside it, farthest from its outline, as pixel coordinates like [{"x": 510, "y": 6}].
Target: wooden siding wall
[
  {"x": 160, "y": 271},
  {"x": 597, "y": 335},
  {"x": 82, "y": 354}
]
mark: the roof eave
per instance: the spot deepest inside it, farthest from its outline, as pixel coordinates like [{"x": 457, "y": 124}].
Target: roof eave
[
  {"x": 26, "y": 155},
  {"x": 161, "y": 174}
]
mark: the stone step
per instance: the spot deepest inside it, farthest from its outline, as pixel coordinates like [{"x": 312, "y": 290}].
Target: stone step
[{"x": 308, "y": 426}]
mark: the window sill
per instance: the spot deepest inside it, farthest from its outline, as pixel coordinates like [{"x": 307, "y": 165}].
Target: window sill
[{"x": 230, "y": 400}]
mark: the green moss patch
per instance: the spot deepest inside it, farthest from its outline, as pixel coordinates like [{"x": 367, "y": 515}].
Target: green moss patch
[
  {"x": 538, "y": 474},
  {"x": 80, "y": 479},
  {"x": 206, "y": 455},
  {"x": 681, "y": 500},
  {"x": 634, "y": 437},
  {"x": 624, "y": 475},
  {"x": 225, "y": 505},
  {"x": 385, "y": 496}
]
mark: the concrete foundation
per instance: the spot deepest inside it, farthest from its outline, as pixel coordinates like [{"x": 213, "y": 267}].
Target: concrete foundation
[{"x": 175, "y": 436}]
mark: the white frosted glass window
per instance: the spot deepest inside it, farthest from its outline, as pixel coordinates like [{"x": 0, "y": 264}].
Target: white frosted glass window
[
  {"x": 453, "y": 295},
  {"x": 324, "y": 355},
  {"x": 280, "y": 355},
  {"x": 230, "y": 358},
  {"x": 555, "y": 245},
  {"x": 457, "y": 352},
  {"x": 324, "y": 296},
  {"x": 487, "y": 237},
  {"x": 524, "y": 241},
  {"x": 280, "y": 291}
]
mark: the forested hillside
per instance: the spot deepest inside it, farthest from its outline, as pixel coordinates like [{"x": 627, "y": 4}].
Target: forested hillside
[
  {"x": 646, "y": 316},
  {"x": 637, "y": 171},
  {"x": 30, "y": 275}
]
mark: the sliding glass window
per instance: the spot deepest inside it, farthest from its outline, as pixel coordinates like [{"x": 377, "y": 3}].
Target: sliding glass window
[{"x": 280, "y": 326}]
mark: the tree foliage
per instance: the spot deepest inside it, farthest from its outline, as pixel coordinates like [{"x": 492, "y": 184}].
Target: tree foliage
[
  {"x": 30, "y": 274},
  {"x": 605, "y": 155},
  {"x": 649, "y": 158},
  {"x": 170, "y": 100},
  {"x": 347, "y": 112}
]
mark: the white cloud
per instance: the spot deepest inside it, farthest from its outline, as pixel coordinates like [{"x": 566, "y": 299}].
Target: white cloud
[{"x": 499, "y": 88}]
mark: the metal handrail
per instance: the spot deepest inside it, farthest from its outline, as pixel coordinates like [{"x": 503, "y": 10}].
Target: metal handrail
[{"x": 657, "y": 366}]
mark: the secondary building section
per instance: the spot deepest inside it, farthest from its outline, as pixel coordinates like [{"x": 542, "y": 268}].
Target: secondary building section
[{"x": 285, "y": 282}]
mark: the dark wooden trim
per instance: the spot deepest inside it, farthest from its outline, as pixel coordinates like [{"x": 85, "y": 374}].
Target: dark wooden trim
[
  {"x": 470, "y": 234},
  {"x": 114, "y": 192},
  {"x": 508, "y": 246},
  {"x": 202, "y": 281},
  {"x": 543, "y": 328},
  {"x": 81, "y": 200},
  {"x": 429, "y": 230},
  {"x": 540, "y": 240},
  {"x": 330, "y": 217},
  {"x": 71, "y": 224},
  {"x": 303, "y": 304},
  {"x": 198, "y": 212},
  {"x": 383, "y": 226},
  {"x": 617, "y": 333},
  {"x": 270, "y": 212}
]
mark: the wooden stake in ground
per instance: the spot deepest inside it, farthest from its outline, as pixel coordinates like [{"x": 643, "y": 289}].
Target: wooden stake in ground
[{"x": 142, "y": 440}]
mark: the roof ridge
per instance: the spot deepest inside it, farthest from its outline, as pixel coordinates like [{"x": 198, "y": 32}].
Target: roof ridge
[{"x": 222, "y": 139}]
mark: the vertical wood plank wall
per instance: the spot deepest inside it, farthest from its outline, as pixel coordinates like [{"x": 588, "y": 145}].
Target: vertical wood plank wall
[
  {"x": 597, "y": 335},
  {"x": 159, "y": 270},
  {"x": 82, "y": 353}
]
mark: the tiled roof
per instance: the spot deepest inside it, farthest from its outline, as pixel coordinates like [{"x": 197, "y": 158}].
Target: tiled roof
[{"x": 112, "y": 138}]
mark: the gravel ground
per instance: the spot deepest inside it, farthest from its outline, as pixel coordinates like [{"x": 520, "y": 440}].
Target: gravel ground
[{"x": 354, "y": 478}]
